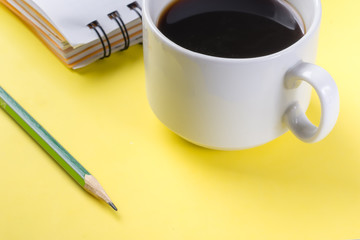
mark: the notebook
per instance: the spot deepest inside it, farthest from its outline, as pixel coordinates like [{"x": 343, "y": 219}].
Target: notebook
[{"x": 80, "y": 32}]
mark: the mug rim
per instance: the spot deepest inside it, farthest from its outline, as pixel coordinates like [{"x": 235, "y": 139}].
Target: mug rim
[{"x": 313, "y": 27}]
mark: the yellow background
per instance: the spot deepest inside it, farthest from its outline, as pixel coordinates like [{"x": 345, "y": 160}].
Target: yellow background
[{"x": 164, "y": 187}]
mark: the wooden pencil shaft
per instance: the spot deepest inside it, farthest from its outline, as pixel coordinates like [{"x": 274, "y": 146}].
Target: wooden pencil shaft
[
  {"x": 46, "y": 141},
  {"x": 43, "y": 138}
]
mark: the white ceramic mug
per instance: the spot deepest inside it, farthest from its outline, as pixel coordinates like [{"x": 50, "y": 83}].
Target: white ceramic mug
[{"x": 231, "y": 104}]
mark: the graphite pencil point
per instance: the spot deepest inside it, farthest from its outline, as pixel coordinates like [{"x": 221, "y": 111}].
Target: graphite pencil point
[{"x": 112, "y": 205}]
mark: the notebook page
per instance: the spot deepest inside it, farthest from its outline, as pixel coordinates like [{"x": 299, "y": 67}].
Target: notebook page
[
  {"x": 72, "y": 17},
  {"x": 36, "y": 21}
]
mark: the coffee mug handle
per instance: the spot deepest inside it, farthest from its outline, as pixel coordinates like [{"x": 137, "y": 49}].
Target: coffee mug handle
[{"x": 327, "y": 91}]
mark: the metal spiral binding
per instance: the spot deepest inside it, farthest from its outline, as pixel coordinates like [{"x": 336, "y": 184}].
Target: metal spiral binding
[
  {"x": 94, "y": 25},
  {"x": 136, "y": 7},
  {"x": 116, "y": 16}
]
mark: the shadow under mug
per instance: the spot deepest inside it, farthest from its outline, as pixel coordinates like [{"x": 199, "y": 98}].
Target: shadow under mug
[{"x": 231, "y": 104}]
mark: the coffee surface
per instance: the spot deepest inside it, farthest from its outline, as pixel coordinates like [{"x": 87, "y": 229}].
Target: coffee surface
[{"x": 231, "y": 28}]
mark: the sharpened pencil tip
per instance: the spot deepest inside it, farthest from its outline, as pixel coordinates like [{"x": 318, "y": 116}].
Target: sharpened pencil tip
[{"x": 112, "y": 205}]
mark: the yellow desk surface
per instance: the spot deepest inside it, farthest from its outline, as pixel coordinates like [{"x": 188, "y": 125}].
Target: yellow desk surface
[{"x": 164, "y": 187}]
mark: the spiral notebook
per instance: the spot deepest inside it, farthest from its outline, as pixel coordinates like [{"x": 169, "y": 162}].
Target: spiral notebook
[{"x": 80, "y": 32}]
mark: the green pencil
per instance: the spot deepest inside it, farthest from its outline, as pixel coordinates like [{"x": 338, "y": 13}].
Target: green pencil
[{"x": 50, "y": 145}]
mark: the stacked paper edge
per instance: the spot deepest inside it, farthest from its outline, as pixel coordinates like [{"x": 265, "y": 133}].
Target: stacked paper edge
[{"x": 72, "y": 56}]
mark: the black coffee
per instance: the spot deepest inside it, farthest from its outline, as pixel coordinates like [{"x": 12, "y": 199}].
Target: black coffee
[{"x": 231, "y": 28}]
